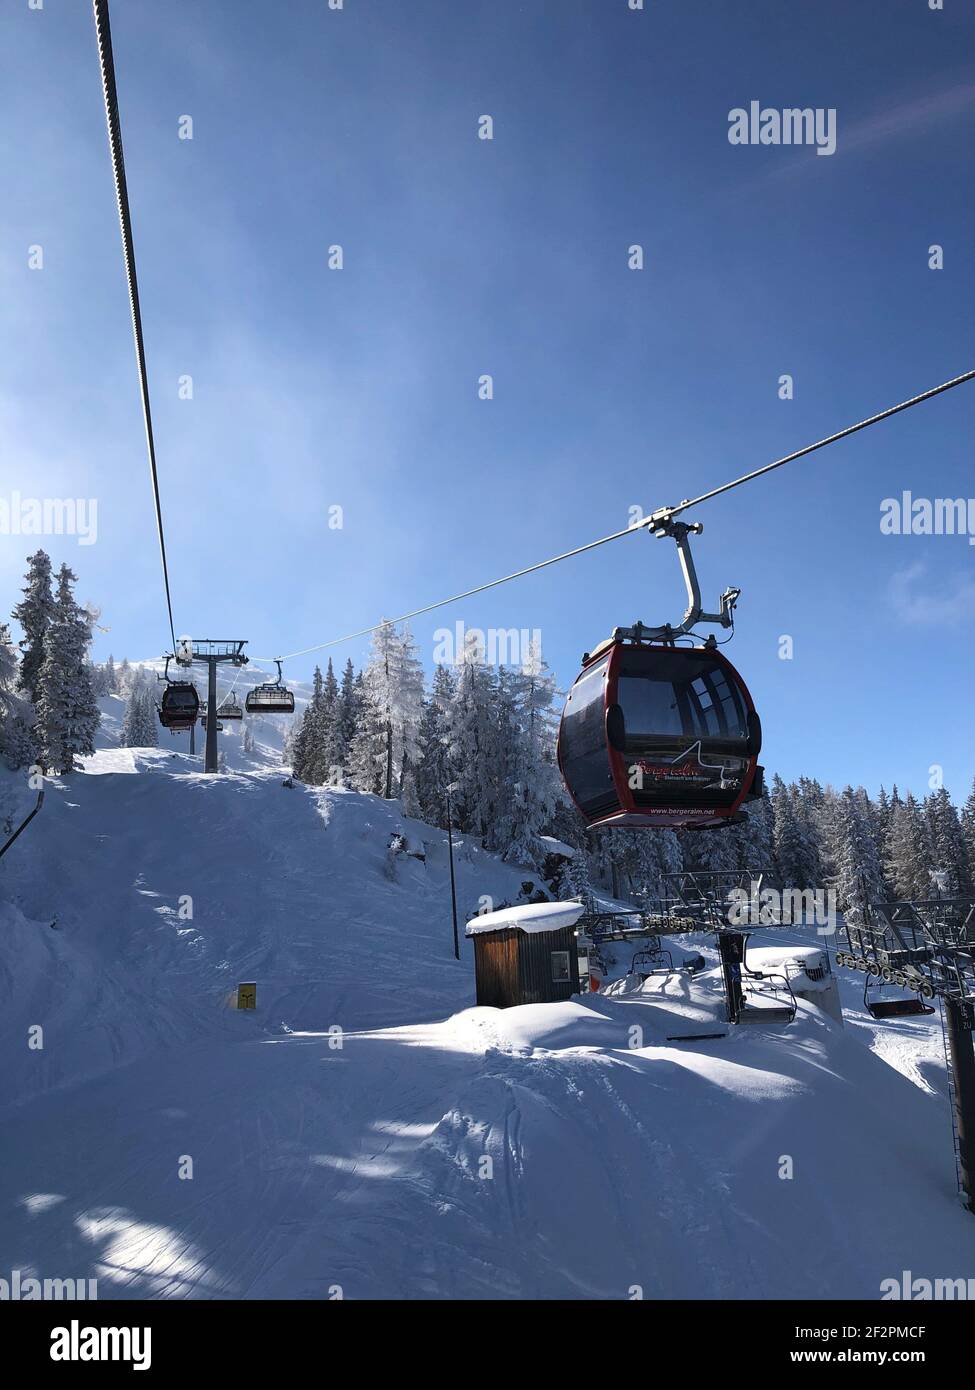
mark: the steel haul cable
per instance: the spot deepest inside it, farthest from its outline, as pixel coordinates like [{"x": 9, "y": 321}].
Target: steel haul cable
[
  {"x": 103, "y": 33},
  {"x": 648, "y": 523}
]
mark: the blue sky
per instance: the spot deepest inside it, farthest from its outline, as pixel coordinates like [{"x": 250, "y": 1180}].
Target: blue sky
[{"x": 613, "y": 388}]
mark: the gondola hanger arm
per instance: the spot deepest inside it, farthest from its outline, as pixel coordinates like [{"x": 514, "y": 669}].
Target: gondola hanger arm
[{"x": 662, "y": 524}]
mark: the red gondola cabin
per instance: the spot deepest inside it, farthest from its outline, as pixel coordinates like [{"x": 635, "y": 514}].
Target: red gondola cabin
[{"x": 658, "y": 735}]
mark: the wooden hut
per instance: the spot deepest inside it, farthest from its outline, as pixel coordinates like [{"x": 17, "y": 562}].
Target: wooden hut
[{"x": 526, "y": 955}]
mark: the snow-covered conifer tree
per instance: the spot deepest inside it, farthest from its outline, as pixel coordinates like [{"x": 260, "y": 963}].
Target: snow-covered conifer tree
[
  {"x": 407, "y": 717},
  {"x": 911, "y": 862},
  {"x": 132, "y": 719},
  {"x": 472, "y": 740},
  {"x": 433, "y": 772},
  {"x": 149, "y": 731},
  {"x": 788, "y": 855},
  {"x": 330, "y": 747},
  {"x": 304, "y": 748},
  {"x": 755, "y": 836},
  {"x": 35, "y": 613},
  {"x": 968, "y": 831},
  {"x": 529, "y": 786},
  {"x": 949, "y": 851},
  {"x": 67, "y": 715},
  {"x": 346, "y": 718},
  {"x": 859, "y": 876},
  {"x": 369, "y": 750},
  {"x": 387, "y": 741},
  {"x": 16, "y": 713}
]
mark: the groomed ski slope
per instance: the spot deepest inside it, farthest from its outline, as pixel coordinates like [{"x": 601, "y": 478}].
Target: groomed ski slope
[{"x": 361, "y": 1167}]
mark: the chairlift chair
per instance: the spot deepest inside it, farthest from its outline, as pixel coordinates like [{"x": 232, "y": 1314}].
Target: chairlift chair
[
  {"x": 770, "y": 985},
  {"x": 273, "y": 697},
  {"x": 651, "y": 960},
  {"x": 781, "y": 1011},
  {"x": 230, "y": 709},
  {"x": 879, "y": 1008}
]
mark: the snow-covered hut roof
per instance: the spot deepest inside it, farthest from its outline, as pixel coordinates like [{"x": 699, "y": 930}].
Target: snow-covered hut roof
[
  {"x": 531, "y": 917},
  {"x": 554, "y": 846}
]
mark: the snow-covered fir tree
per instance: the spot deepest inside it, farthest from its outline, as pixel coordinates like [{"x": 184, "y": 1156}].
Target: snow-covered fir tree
[
  {"x": 35, "y": 614},
  {"x": 472, "y": 725},
  {"x": 331, "y": 749},
  {"x": 911, "y": 862},
  {"x": 968, "y": 831},
  {"x": 883, "y": 814},
  {"x": 67, "y": 714},
  {"x": 304, "y": 745},
  {"x": 789, "y": 835},
  {"x": 17, "y": 747},
  {"x": 756, "y": 836},
  {"x": 347, "y": 718},
  {"x": 131, "y": 720},
  {"x": 385, "y": 747},
  {"x": 947, "y": 840},
  {"x": 316, "y": 749},
  {"x": 859, "y": 875},
  {"x": 407, "y": 716},
  {"x": 886, "y": 817},
  {"x": 576, "y": 879},
  {"x": 531, "y": 781},
  {"x": 150, "y": 719},
  {"x": 433, "y": 769},
  {"x": 371, "y": 744},
  {"x": 139, "y": 720}
]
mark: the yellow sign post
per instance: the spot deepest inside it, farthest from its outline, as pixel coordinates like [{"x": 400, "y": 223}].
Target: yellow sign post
[{"x": 247, "y": 996}]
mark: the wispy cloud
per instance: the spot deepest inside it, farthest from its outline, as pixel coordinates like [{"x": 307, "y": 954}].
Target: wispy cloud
[
  {"x": 951, "y": 603},
  {"x": 910, "y": 117},
  {"x": 906, "y": 119}
]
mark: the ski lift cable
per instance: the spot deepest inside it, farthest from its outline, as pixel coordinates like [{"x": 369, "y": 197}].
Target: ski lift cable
[
  {"x": 103, "y": 34},
  {"x": 651, "y": 522},
  {"x": 830, "y": 439},
  {"x": 228, "y": 694}
]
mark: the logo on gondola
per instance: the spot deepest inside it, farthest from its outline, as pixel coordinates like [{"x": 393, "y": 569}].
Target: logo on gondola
[{"x": 686, "y": 767}]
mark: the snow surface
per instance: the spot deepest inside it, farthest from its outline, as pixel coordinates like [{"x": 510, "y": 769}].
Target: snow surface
[
  {"x": 339, "y": 1131},
  {"x": 529, "y": 917}
]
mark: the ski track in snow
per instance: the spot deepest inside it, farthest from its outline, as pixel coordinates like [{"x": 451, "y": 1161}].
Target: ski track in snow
[{"x": 441, "y": 1151}]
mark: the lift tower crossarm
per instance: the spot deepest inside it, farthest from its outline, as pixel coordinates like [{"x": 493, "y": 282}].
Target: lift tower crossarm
[{"x": 211, "y": 648}]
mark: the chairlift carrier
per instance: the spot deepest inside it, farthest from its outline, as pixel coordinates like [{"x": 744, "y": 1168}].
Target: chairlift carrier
[
  {"x": 911, "y": 1007},
  {"x": 273, "y": 697},
  {"x": 230, "y": 708}
]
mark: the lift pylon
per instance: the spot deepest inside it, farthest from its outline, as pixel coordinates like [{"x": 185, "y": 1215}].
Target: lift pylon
[{"x": 211, "y": 652}]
